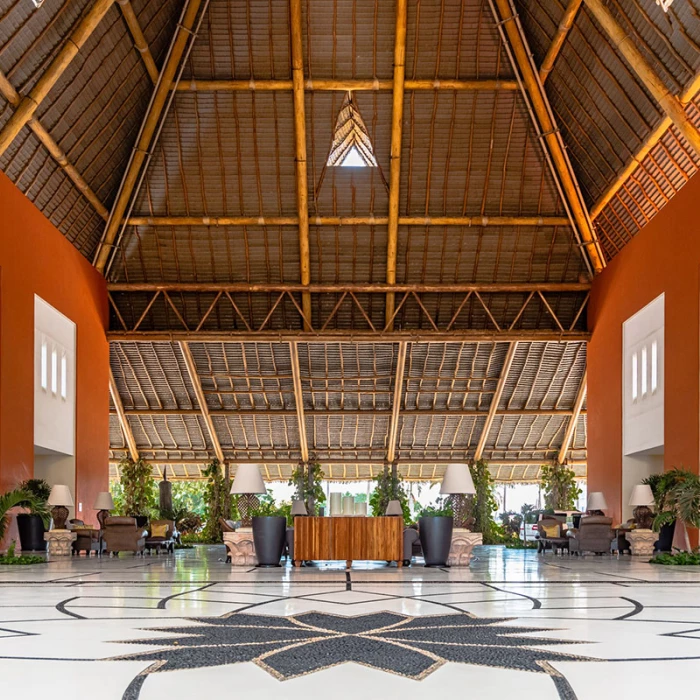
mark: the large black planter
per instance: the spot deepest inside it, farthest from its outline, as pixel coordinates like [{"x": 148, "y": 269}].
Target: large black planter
[
  {"x": 435, "y": 539},
  {"x": 269, "y": 536},
  {"x": 665, "y": 541},
  {"x": 31, "y": 532}
]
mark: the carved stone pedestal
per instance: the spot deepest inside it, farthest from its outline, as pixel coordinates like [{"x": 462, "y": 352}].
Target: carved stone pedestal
[
  {"x": 463, "y": 541},
  {"x": 60, "y": 542},
  {"x": 642, "y": 542},
  {"x": 240, "y": 549}
]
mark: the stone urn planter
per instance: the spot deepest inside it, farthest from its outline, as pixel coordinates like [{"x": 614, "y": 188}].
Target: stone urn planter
[
  {"x": 435, "y": 538},
  {"x": 269, "y": 536},
  {"x": 31, "y": 532}
]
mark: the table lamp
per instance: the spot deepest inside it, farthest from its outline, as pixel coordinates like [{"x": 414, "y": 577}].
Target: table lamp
[
  {"x": 394, "y": 508},
  {"x": 60, "y": 498},
  {"x": 596, "y": 503},
  {"x": 458, "y": 484},
  {"x": 642, "y": 497},
  {"x": 247, "y": 484},
  {"x": 103, "y": 503},
  {"x": 298, "y": 508}
]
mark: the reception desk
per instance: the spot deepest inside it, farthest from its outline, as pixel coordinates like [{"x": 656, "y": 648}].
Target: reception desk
[{"x": 348, "y": 538}]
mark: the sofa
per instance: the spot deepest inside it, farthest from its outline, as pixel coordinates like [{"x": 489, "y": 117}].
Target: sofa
[
  {"x": 122, "y": 534},
  {"x": 594, "y": 534}
]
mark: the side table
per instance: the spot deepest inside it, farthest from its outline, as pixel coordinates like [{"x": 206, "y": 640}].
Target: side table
[{"x": 60, "y": 542}]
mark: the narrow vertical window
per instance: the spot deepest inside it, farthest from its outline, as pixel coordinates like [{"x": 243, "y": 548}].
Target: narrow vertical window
[
  {"x": 54, "y": 371},
  {"x": 64, "y": 376},
  {"x": 644, "y": 371},
  {"x": 44, "y": 366},
  {"x": 634, "y": 377},
  {"x": 654, "y": 367}
]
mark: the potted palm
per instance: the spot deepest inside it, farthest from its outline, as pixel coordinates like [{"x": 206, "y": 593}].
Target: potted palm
[
  {"x": 20, "y": 498},
  {"x": 435, "y": 526},
  {"x": 677, "y": 498},
  {"x": 31, "y": 525},
  {"x": 269, "y": 533}
]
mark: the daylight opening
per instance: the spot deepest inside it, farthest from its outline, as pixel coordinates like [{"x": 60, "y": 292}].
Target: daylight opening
[{"x": 351, "y": 145}]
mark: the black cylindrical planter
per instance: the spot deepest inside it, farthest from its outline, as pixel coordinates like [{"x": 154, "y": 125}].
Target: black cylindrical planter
[
  {"x": 31, "y": 532},
  {"x": 141, "y": 520},
  {"x": 269, "y": 536},
  {"x": 436, "y": 539},
  {"x": 665, "y": 541}
]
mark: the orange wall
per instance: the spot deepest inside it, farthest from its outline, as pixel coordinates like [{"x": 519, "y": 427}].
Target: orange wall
[
  {"x": 664, "y": 257},
  {"x": 35, "y": 258}
]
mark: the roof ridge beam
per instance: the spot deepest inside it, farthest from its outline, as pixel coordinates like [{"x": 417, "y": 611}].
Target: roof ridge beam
[
  {"x": 29, "y": 104},
  {"x": 519, "y": 52},
  {"x": 14, "y": 98},
  {"x": 302, "y": 184},
  {"x": 395, "y": 154}
]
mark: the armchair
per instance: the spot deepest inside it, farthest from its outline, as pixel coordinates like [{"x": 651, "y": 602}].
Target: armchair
[
  {"x": 122, "y": 534},
  {"x": 550, "y": 535},
  {"x": 411, "y": 545},
  {"x": 595, "y": 534},
  {"x": 161, "y": 535},
  {"x": 88, "y": 539}
]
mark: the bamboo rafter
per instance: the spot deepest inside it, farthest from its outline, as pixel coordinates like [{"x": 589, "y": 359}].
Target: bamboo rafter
[
  {"x": 355, "y": 413},
  {"x": 29, "y": 104},
  {"x": 123, "y": 420},
  {"x": 393, "y": 437},
  {"x": 132, "y": 22},
  {"x": 571, "y": 426},
  {"x": 559, "y": 38},
  {"x": 299, "y": 402}
]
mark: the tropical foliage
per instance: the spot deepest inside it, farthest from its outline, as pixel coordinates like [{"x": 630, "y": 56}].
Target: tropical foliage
[
  {"x": 677, "y": 559},
  {"x": 309, "y": 490},
  {"x": 26, "y": 499},
  {"x": 676, "y": 496},
  {"x": 389, "y": 488},
  {"x": 40, "y": 488},
  {"x": 11, "y": 559},
  {"x": 441, "y": 509},
  {"x": 217, "y": 499},
  {"x": 484, "y": 504},
  {"x": 139, "y": 488},
  {"x": 561, "y": 492}
]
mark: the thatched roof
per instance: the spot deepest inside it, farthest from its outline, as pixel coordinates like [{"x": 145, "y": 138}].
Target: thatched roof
[{"x": 209, "y": 203}]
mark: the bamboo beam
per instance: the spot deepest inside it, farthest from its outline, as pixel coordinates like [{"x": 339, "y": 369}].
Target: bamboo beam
[
  {"x": 183, "y": 32},
  {"x": 521, "y": 55},
  {"x": 132, "y": 22},
  {"x": 686, "y": 97},
  {"x": 300, "y": 156},
  {"x": 395, "y": 154},
  {"x": 351, "y": 336},
  {"x": 29, "y": 104},
  {"x": 123, "y": 420},
  {"x": 340, "y": 85},
  {"x": 299, "y": 402},
  {"x": 669, "y": 103},
  {"x": 356, "y": 288},
  {"x": 571, "y": 426},
  {"x": 202, "y": 401},
  {"x": 57, "y": 153},
  {"x": 493, "y": 407},
  {"x": 392, "y": 440},
  {"x": 347, "y": 412},
  {"x": 347, "y": 221},
  {"x": 559, "y": 38}
]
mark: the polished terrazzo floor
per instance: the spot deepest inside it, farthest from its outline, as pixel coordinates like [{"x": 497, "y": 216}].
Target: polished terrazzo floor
[{"x": 515, "y": 624}]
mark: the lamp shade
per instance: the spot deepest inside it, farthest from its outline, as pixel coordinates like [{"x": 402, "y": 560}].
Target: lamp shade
[
  {"x": 596, "y": 501},
  {"x": 60, "y": 496},
  {"x": 457, "y": 479},
  {"x": 394, "y": 508},
  {"x": 299, "y": 508},
  {"x": 104, "y": 501},
  {"x": 641, "y": 496},
  {"x": 248, "y": 480}
]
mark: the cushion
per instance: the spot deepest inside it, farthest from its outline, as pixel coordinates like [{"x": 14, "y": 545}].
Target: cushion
[
  {"x": 551, "y": 530},
  {"x": 160, "y": 530}
]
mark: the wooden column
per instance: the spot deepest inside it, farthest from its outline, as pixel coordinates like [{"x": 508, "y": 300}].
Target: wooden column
[
  {"x": 57, "y": 153},
  {"x": 202, "y": 401},
  {"x": 571, "y": 426},
  {"x": 123, "y": 420},
  {"x": 396, "y": 407},
  {"x": 624, "y": 42},
  {"x": 300, "y": 155},
  {"x": 132, "y": 22},
  {"x": 29, "y": 104},
  {"x": 299, "y": 401},
  {"x": 395, "y": 164},
  {"x": 514, "y": 37},
  {"x": 148, "y": 128},
  {"x": 493, "y": 408},
  {"x": 559, "y": 38}
]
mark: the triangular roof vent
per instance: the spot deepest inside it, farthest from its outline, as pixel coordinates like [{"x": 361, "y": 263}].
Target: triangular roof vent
[{"x": 351, "y": 145}]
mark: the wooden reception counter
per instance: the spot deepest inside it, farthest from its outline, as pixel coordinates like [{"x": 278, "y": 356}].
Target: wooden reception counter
[{"x": 348, "y": 538}]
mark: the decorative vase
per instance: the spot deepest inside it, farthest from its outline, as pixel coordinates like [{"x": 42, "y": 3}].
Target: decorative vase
[
  {"x": 31, "y": 532},
  {"x": 335, "y": 503},
  {"x": 348, "y": 505},
  {"x": 436, "y": 538},
  {"x": 269, "y": 535}
]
